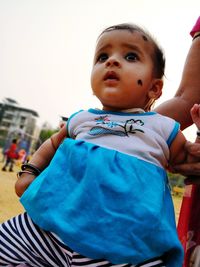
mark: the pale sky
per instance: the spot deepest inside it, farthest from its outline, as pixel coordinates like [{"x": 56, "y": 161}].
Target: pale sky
[{"x": 47, "y": 46}]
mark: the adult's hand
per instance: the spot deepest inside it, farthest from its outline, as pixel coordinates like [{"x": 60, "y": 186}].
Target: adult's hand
[{"x": 191, "y": 169}]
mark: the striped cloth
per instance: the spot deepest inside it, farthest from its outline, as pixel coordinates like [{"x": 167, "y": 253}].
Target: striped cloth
[{"x": 22, "y": 243}]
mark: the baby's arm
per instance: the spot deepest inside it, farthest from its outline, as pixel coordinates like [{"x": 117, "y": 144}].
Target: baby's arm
[
  {"x": 177, "y": 151},
  {"x": 41, "y": 159}
]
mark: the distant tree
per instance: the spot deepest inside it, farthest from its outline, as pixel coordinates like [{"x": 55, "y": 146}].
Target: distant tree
[
  {"x": 46, "y": 133},
  {"x": 176, "y": 179}
]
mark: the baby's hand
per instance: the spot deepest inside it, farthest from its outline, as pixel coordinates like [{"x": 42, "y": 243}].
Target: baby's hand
[{"x": 195, "y": 114}]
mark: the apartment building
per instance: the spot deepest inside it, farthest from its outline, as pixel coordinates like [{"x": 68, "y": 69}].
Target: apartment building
[{"x": 17, "y": 122}]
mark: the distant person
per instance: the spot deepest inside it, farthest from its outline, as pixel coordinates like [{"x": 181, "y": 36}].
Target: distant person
[
  {"x": 11, "y": 155},
  {"x": 104, "y": 199},
  {"x": 21, "y": 156},
  {"x": 4, "y": 151}
]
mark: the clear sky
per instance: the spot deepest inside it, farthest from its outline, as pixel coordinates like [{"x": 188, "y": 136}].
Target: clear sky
[{"x": 47, "y": 46}]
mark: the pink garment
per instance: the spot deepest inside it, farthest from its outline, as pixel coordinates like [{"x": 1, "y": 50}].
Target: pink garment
[
  {"x": 189, "y": 225},
  {"x": 196, "y": 27}
]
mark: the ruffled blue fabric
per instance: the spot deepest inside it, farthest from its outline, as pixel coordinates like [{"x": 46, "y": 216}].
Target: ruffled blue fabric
[{"x": 105, "y": 204}]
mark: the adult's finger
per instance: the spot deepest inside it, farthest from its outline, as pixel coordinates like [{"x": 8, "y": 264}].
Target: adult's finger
[
  {"x": 193, "y": 148},
  {"x": 188, "y": 168}
]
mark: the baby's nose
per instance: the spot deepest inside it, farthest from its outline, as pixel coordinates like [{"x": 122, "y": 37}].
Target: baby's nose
[{"x": 112, "y": 61}]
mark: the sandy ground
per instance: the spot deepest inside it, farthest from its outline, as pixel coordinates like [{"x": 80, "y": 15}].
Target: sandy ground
[
  {"x": 177, "y": 205},
  {"x": 9, "y": 202}
]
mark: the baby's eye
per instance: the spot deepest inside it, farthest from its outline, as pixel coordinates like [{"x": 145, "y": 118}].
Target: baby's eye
[
  {"x": 131, "y": 57},
  {"x": 102, "y": 57}
]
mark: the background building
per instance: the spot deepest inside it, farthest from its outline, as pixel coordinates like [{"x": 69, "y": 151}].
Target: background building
[{"x": 17, "y": 122}]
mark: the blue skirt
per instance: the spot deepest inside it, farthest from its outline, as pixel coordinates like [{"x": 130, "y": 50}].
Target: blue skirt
[{"x": 105, "y": 204}]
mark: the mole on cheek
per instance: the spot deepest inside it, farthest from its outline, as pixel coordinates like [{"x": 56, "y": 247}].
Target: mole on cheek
[{"x": 140, "y": 82}]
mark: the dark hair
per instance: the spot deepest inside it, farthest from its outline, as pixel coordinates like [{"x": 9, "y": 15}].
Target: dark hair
[{"x": 158, "y": 55}]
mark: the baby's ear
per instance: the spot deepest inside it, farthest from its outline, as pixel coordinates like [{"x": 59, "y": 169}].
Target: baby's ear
[{"x": 156, "y": 89}]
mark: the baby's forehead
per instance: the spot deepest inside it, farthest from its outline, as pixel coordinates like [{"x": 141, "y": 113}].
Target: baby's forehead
[
  {"x": 133, "y": 31},
  {"x": 115, "y": 36}
]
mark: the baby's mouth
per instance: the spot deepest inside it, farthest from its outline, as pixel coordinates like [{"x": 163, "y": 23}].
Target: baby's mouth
[{"x": 111, "y": 75}]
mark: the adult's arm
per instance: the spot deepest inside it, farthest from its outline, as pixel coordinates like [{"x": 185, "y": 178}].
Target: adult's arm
[
  {"x": 192, "y": 167},
  {"x": 179, "y": 107},
  {"x": 188, "y": 92}
]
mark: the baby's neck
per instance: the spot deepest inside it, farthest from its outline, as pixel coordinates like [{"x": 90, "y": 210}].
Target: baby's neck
[{"x": 133, "y": 110}]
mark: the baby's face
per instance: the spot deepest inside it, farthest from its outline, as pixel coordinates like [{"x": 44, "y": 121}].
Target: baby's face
[{"x": 122, "y": 73}]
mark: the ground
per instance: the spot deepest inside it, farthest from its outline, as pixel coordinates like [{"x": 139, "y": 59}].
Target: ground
[{"x": 9, "y": 202}]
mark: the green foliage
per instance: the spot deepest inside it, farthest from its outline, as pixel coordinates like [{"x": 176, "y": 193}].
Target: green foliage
[
  {"x": 176, "y": 179},
  {"x": 45, "y": 134}
]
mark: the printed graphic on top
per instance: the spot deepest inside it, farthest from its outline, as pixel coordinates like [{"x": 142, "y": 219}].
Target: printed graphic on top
[{"x": 121, "y": 128}]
